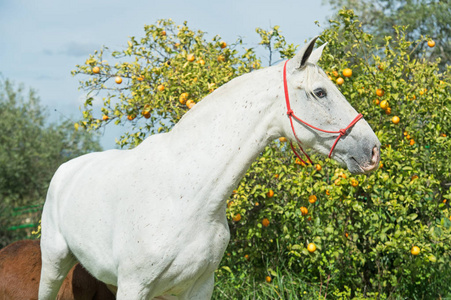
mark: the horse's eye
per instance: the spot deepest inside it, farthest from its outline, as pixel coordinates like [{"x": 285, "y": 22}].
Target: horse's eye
[{"x": 320, "y": 93}]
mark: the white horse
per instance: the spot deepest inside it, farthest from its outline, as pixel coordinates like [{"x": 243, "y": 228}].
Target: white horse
[{"x": 151, "y": 221}]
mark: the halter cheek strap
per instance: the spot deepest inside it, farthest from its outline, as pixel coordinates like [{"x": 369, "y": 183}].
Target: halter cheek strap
[{"x": 291, "y": 115}]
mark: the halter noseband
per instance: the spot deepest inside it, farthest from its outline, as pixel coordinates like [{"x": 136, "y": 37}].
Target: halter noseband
[{"x": 291, "y": 115}]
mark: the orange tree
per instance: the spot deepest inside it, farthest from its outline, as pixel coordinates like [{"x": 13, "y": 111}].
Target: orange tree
[
  {"x": 157, "y": 78},
  {"x": 363, "y": 228}
]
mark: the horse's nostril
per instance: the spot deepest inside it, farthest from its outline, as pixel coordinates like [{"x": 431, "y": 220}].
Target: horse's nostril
[
  {"x": 373, "y": 164},
  {"x": 375, "y": 155}
]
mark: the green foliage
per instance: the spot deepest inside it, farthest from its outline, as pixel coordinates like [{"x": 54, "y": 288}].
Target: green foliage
[
  {"x": 363, "y": 226},
  {"x": 30, "y": 152},
  {"x": 274, "y": 42},
  {"x": 421, "y": 18}
]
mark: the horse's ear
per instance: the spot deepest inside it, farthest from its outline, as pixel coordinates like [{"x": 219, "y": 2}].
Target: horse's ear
[
  {"x": 316, "y": 54},
  {"x": 301, "y": 58}
]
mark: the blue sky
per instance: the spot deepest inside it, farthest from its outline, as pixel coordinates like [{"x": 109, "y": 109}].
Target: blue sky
[{"x": 41, "y": 41}]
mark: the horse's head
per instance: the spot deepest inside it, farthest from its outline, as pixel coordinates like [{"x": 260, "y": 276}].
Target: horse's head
[{"x": 315, "y": 100}]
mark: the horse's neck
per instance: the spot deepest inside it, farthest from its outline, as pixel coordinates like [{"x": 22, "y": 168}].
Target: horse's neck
[{"x": 225, "y": 132}]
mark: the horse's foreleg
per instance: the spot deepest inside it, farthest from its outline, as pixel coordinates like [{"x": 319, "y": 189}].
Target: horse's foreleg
[
  {"x": 201, "y": 290},
  {"x": 57, "y": 260}
]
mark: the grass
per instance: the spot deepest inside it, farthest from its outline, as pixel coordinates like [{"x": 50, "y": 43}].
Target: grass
[
  {"x": 286, "y": 286},
  {"x": 244, "y": 287}
]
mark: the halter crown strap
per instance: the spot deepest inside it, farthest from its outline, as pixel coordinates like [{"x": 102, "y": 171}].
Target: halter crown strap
[{"x": 291, "y": 115}]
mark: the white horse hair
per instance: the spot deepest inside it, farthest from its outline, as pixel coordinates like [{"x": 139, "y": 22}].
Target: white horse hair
[{"x": 151, "y": 221}]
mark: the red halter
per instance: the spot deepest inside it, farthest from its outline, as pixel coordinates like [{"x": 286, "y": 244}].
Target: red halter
[{"x": 291, "y": 115}]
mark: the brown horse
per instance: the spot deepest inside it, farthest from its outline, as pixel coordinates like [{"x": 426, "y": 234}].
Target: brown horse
[{"x": 20, "y": 271}]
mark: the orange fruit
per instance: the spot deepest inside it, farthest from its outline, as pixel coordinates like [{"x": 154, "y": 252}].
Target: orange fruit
[
  {"x": 376, "y": 101},
  {"x": 105, "y": 117},
  {"x": 270, "y": 194},
  {"x": 237, "y": 217},
  {"x": 318, "y": 167},
  {"x": 380, "y": 92},
  {"x": 96, "y": 70},
  {"x": 380, "y": 67},
  {"x": 246, "y": 256},
  {"x": 415, "y": 250},
  {"x": 190, "y": 103},
  {"x": 347, "y": 72},
  {"x": 337, "y": 181},
  {"x": 335, "y": 73},
  {"x": 276, "y": 176},
  {"x": 346, "y": 234},
  {"x": 327, "y": 192},
  {"x": 412, "y": 142},
  {"x": 223, "y": 44},
  {"x": 395, "y": 120},
  {"x": 311, "y": 247},
  {"x": 299, "y": 162},
  {"x": 354, "y": 183},
  {"x": 340, "y": 81},
  {"x": 140, "y": 78},
  {"x": 221, "y": 58},
  {"x": 388, "y": 111},
  {"x": 384, "y": 104},
  {"x": 146, "y": 114},
  {"x": 183, "y": 97},
  {"x": 160, "y": 88},
  {"x": 118, "y": 79},
  {"x": 265, "y": 222},
  {"x": 312, "y": 199},
  {"x": 283, "y": 139},
  {"x": 190, "y": 57},
  {"x": 381, "y": 165},
  {"x": 268, "y": 279},
  {"x": 343, "y": 175},
  {"x": 163, "y": 33},
  {"x": 201, "y": 61},
  {"x": 431, "y": 43},
  {"x": 414, "y": 177},
  {"x": 131, "y": 117},
  {"x": 304, "y": 210}
]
